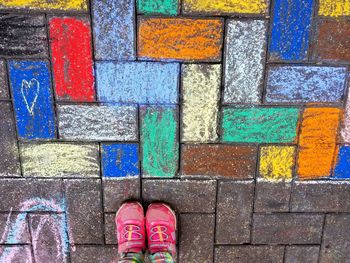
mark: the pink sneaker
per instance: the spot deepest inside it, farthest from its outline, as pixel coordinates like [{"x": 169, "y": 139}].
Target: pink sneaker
[
  {"x": 130, "y": 224},
  {"x": 161, "y": 228}
]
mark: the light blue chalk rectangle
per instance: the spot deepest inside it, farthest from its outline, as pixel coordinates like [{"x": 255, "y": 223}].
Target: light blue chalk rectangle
[
  {"x": 32, "y": 97},
  {"x": 114, "y": 29},
  {"x": 291, "y": 27},
  {"x": 302, "y": 84},
  {"x": 137, "y": 82}
]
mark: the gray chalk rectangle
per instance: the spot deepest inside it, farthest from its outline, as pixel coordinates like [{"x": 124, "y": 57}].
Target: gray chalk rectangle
[{"x": 97, "y": 123}]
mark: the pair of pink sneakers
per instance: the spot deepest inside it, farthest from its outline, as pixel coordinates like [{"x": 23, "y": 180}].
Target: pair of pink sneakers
[{"x": 132, "y": 226}]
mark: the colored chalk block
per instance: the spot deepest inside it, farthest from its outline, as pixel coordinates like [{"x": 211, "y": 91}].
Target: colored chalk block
[
  {"x": 32, "y": 97},
  {"x": 260, "y": 125},
  {"x": 97, "y": 123},
  {"x": 200, "y": 92},
  {"x": 277, "y": 162},
  {"x": 334, "y": 8},
  {"x": 66, "y": 5},
  {"x": 225, "y": 6},
  {"x": 160, "y": 147},
  {"x": 244, "y": 61},
  {"x": 4, "y": 92},
  {"x": 219, "y": 160},
  {"x": 113, "y": 27},
  {"x": 291, "y": 27},
  {"x": 120, "y": 160},
  {"x": 60, "y": 160},
  {"x": 23, "y": 35},
  {"x": 137, "y": 82},
  {"x": 72, "y": 58},
  {"x": 317, "y": 142},
  {"x": 9, "y": 159},
  {"x": 342, "y": 165},
  {"x": 165, "y": 7},
  {"x": 302, "y": 84},
  {"x": 180, "y": 39},
  {"x": 333, "y": 40}
]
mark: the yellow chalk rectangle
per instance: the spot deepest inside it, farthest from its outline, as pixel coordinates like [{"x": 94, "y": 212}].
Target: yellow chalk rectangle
[
  {"x": 225, "y": 6},
  {"x": 60, "y": 159},
  {"x": 277, "y": 162},
  {"x": 45, "y": 4},
  {"x": 334, "y": 8}
]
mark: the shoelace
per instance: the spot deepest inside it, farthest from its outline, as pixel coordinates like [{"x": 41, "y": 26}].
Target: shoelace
[
  {"x": 130, "y": 231},
  {"x": 161, "y": 232}
]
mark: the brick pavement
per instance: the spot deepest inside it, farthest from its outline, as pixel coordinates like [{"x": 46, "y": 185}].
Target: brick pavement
[{"x": 235, "y": 112}]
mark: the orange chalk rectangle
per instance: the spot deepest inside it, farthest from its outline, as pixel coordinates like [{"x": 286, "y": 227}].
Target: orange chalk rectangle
[
  {"x": 180, "y": 39},
  {"x": 317, "y": 142}
]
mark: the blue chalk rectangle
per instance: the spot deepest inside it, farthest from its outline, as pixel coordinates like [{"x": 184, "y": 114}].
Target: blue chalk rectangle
[
  {"x": 291, "y": 27},
  {"x": 120, "y": 160},
  {"x": 114, "y": 29},
  {"x": 302, "y": 84},
  {"x": 32, "y": 97},
  {"x": 137, "y": 82},
  {"x": 342, "y": 167}
]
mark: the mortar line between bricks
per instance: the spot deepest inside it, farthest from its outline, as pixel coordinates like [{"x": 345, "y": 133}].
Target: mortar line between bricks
[
  {"x": 31, "y": 238},
  {"x": 179, "y": 122},
  {"x": 215, "y": 217},
  {"x": 92, "y": 46},
  {"x": 140, "y": 152},
  {"x": 101, "y": 192},
  {"x": 63, "y": 189},
  {"x": 284, "y": 253},
  {"x": 322, "y": 234}
]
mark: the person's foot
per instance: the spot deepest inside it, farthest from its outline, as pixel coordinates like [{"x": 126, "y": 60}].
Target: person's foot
[
  {"x": 161, "y": 228},
  {"x": 130, "y": 225}
]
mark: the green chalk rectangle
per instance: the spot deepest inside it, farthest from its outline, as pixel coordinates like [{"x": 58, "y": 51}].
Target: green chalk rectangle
[
  {"x": 159, "y": 140},
  {"x": 166, "y": 7},
  {"x": 260, "y": 125}
]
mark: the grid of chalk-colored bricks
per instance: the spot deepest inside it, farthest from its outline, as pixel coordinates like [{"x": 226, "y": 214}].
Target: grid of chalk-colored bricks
[{"x": 162, "y": 88}]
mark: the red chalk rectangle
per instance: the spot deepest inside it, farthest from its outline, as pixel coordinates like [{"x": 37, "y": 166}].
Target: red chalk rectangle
[{"x": 70, "y": 40}]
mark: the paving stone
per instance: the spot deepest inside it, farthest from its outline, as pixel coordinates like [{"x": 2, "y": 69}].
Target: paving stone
[
  {"x": 17, "y": 29},
  {"x": 16, "y": 254},
  {"x": 305, "y": 84},
  {"x": 165, "y": 7},
  {"x": 110, "y": 229},
  {"x": 116, "y": 191},
  {"x": 180, "y": 39},
  {"x": 49, "y": 237},
  {"x": 334, "y": 8},
  {"x": 60, "y": 159},
  {"x": 137, "y": 82},
  {"x": 97, "y": 123},
  {"x": 336, "y": 239},
  {"x": 72, "y": 58},
  {"x": 233, "y": 212},
  {"x": 11, "y": 223},
  {"x": 196, "y": 238},
  {"x": 159, "y": 141},
  {"x": 9, "y": 158},
  {"x": 33, "y": 100},
  {"x": 302, "y": 254},
  {"x": 249, "y": 254},
  {"x": 30, "y": 195},
  {"x": 94, "y": 254},
  {"x": 200, "y": 99},
  {"x": 4, "y": 91},
  {"x": 114, "y": 29},
  {"x": 272, "y": 196},
  {"x": 333, "y": 41},
  {"x": 84, "y": 211},
  {"x": 290, "y": 34},
  {"x": 259, "y": 125},
  {"x": 231, "y": 161},
  {"x": 185, "y": 196},
  {"x": 287, "y": 228},
  {"x": 67, "y": 5},
  {"x": 345, "y": 129},
  {"x": 321, "y": 196},
  {"x": 244, "y": 61}
]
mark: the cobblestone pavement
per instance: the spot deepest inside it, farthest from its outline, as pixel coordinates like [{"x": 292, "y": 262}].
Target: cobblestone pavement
[{"x": 235, "y": 112}]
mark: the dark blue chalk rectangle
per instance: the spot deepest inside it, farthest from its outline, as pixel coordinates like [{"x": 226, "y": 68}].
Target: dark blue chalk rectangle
[
  {"x": 113, "y": 28},
  {"x": 32, "y": 97},
  {"x": 342, "y": 166},
  {"x": 303, "y": 84},
  {"x": 291, "y": 27}
]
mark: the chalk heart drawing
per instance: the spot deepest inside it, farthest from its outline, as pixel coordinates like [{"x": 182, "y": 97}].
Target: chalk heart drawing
[{"x": 30, "y": 92}]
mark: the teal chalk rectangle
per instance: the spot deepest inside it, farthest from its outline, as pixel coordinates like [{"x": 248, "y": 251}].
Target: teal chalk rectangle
[
  {"x": 165, "y": 7},
  {"x": 260, "y": 125}
]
